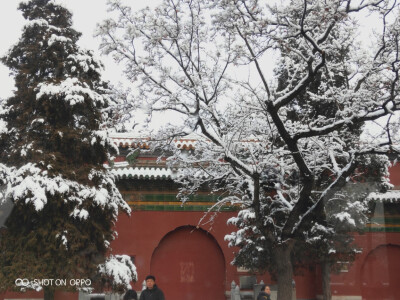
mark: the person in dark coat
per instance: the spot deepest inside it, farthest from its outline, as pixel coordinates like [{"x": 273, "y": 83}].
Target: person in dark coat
[
  {"x": 152, "y": 292},
  {"x": 265, "y": 293},
  {"x": 130, "y": 295}
]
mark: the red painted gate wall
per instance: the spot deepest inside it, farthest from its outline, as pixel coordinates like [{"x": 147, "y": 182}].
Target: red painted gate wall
[{"x": 189, "y": 265}]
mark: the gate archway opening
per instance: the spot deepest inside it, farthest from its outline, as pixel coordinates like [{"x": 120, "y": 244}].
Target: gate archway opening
[{"x": 189, "y": 265}]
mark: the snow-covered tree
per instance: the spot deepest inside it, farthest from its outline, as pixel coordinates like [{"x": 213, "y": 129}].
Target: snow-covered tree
[
  {"x": 329, "y": 246},
  {"x": 51, "y": 159},
  {"x": 278, "y": 94}
]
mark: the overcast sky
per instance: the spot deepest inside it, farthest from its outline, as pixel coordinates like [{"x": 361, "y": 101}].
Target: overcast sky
[{"x": 86, "y": 14}]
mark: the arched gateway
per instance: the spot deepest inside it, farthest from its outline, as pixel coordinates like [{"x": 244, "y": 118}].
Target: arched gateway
[
  {"x": 189, "y": 265},
  {"x": 381, "y": 274}
]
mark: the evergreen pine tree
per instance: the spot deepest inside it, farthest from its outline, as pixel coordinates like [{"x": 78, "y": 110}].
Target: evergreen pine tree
[{"x": 52, "y": 155}]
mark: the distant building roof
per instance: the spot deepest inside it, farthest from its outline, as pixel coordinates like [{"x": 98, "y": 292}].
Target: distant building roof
[
  {"x": 137, "y": 141},
  {"x": 142, "y": 172}
]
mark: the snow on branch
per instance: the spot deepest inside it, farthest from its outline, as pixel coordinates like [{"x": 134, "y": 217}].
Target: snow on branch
[
  {"x": 72, "y": 91},
  {"x": 121, "y": 269},
  {"x": 33, "y": 185}
]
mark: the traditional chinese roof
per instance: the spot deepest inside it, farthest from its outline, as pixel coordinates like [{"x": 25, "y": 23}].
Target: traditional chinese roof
[
  {"x": 147, "y": 167},
  {"x": 129, "y": 140},
  {"x": 128, "y": 172},
  {"x": 151, "y": 168}
]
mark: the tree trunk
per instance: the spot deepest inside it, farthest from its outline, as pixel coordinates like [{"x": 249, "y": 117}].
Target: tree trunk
[
  {"x": 326, "y": 280},
  {"x": 48, "y": 294},
  {"x": 284, "y": 272}
]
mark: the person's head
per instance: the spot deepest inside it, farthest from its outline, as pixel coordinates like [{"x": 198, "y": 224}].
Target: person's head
[
  {"x": 266, "y": 289},
  {"x": 150, "y": 281},
  {"x": 130, "y": 295}
]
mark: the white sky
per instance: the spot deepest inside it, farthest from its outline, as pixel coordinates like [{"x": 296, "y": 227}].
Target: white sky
[{"x": 86, "y": 14}]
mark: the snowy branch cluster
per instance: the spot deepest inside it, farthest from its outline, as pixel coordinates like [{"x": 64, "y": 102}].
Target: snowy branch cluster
[
  {"x": 120, "y": 268},
  {"x": 32, "y": 185}
]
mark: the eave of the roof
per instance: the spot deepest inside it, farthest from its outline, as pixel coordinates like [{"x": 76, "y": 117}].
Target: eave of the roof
[
  {"x": 134, "y": 141},
  {"x": 390, "y": 196},
  {"x": 142, "y": 173}
]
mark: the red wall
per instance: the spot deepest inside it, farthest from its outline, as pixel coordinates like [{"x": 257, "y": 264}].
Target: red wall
[
  {"x": 39, "y": 295},
  {"x": 395, "y": 175},
  {"x": 140, "y": 234},
  {"x": 353, "y": 282}
]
